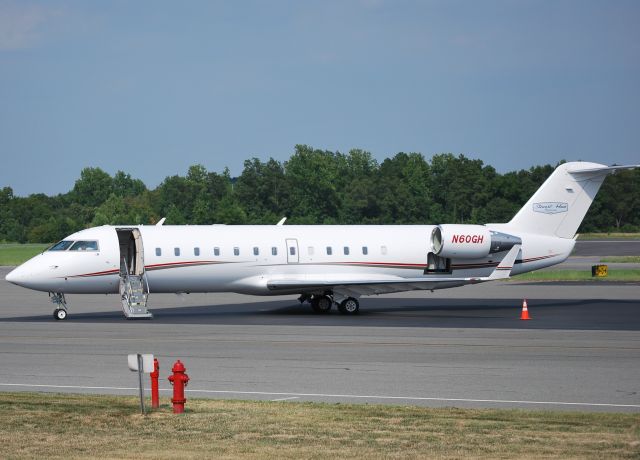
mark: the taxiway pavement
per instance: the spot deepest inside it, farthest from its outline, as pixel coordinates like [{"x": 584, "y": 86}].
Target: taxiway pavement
[
  {"x": 589, "y": 252},
  {"x": 463, "y": 347},
  {"x": 608, "y": 247}
]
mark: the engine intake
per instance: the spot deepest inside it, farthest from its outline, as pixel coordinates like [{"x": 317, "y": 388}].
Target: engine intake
[{"x": 469, "y": 241}]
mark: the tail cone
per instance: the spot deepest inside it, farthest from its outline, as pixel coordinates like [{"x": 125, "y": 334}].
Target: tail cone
[{"x": 525, "y": 310}]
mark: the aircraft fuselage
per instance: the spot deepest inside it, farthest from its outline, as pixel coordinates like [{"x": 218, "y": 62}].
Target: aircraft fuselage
[{"x": 220, "y": 258}]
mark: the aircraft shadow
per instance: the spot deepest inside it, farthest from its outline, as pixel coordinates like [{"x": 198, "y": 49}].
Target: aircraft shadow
[{"x": 390, "y": 312}]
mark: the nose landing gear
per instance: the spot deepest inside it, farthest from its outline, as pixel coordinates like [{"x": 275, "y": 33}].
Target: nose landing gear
[{"x": 60, "y": 312}]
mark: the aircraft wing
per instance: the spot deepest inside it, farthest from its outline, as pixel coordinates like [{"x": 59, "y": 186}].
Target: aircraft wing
[
  {"x": 503, "y": 270},
  {"x": 367, "y": 286}
]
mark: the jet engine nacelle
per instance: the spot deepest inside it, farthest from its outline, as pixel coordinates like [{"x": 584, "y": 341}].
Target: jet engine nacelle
[{"x": 469, "y": 241}]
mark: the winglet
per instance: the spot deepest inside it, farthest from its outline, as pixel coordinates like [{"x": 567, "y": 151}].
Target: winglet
[{"x": 503, "y": 270}]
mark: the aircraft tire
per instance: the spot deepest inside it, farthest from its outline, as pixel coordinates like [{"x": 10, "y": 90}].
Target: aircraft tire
[
  {"x": 60, "y": 314},
  {"x": 349, "y": 306},
  {"x": 321, "y": 304}
]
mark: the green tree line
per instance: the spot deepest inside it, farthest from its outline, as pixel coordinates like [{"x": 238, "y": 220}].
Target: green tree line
[{"x": 312, "y": 187}]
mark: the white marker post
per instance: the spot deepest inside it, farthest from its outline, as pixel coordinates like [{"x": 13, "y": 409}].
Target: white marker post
[{"x": 141, "y": 363}]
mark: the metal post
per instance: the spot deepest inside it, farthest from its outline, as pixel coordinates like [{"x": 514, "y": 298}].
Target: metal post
[
  {"x": 155, "y": 397},
  {"x": 140, "y": 383}
]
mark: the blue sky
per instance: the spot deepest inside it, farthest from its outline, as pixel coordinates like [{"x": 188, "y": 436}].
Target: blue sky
[{"x": 151, "y": 87}]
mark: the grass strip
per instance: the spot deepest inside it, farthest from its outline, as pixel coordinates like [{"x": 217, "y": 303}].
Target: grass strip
[
  {"x": 15, "y": 254},
  {"x": 37, "y": 425},
  {"x": 607, "y": 236},
  {"x": 627, "y": 275},
  {"x": 621, "y": 259}
]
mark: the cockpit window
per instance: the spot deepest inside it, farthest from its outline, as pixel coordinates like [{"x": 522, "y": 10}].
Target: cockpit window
[
  {"x": 61, "y": 246},
  {"x": 84, "y": 246}
]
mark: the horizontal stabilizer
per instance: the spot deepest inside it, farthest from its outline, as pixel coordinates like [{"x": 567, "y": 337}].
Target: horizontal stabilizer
[{"x": 605, "y": 169}]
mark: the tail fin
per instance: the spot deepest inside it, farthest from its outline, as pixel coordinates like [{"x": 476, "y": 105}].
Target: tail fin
[{"x": 560, "y": 204}]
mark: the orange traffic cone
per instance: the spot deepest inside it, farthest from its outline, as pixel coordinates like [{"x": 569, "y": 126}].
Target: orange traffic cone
[{"x": 525, "y": 310}]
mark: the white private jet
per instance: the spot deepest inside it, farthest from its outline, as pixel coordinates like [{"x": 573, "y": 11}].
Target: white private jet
[{"x": 325, "y": 264}]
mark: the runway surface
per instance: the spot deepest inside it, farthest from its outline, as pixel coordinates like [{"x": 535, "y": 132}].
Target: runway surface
[
  {"x": 464, "y": 347},
  {"x": 609, "y": 247},
  {"x": 590, "y": 252}
]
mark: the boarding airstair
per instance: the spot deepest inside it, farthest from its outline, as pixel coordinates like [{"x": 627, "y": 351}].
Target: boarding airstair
[{"x": 134, "y": 292}]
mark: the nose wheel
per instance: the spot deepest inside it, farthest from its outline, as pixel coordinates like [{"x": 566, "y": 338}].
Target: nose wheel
[{"x": 60, "y": 312}]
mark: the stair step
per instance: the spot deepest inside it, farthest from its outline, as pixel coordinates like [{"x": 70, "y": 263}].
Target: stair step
[{"x": 134, "y": 298}]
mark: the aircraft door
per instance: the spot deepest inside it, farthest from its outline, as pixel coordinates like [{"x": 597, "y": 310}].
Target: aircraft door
[
  {"x": 131, "y": 251},
  {"x": 292, "y": 251},
  {"x": 134, "y": 288}
]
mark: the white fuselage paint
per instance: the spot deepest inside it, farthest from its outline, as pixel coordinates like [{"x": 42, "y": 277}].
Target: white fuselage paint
[{"x": 392, "y": 252}]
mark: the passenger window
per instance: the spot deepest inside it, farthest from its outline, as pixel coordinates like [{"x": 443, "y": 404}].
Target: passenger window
[
  {"x": 310, "y": 250},
  {"x": 365, "y": 250},
  {"x": 196, "y": 251},
  {"x": 61, "y": 246},
  {"x": 274, "y": 251},
  {"x": 216, "y": 251},
  {"x": 292, "y": 250},
  {"x": 346, "y": 250},
  {"x": 236, "y": 251},
  {"x": 84, "y": 246},
  {"x": 176, "y": 251},
  {"x": 256, "y": 251},
  {"x": 383, "y": 250},
  {"x": 158, "y": 252},
  {"x": 329, "y": 250}
]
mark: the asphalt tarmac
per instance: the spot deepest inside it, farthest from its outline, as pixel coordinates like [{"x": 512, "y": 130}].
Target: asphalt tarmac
[
  {"x": 464, "y": 347},
  {"x": 590, "y": 252},
  {"x": 610, "y": 247}
]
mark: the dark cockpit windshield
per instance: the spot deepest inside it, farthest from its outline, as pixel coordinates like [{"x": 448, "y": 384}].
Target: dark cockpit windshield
[
  {"x": 84, "y": 246},
  {"x": 75, "y": 246},
  {"x": 61, "y": 246}
]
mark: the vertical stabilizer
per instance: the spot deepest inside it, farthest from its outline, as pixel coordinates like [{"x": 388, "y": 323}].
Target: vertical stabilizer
[{"x": 560, "y": 204}]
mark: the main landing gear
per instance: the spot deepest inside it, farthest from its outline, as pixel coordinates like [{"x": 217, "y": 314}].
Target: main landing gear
[
  {"x": 323, "y": 303},
  {"x": 349, "y": 306},
  {"x": 60, "y": 312}
]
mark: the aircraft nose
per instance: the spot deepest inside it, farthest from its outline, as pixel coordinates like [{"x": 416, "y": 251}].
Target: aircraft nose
[
  {"x": 35, "y": 274},
  {"x": 15, "y": 276}
]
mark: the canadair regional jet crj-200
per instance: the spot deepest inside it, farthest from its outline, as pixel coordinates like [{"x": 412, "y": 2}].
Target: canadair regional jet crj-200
[{"x": 325, "y": 264}]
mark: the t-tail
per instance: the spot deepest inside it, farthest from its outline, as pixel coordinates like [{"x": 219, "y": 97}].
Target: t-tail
[{"x": 560, "y": 204}]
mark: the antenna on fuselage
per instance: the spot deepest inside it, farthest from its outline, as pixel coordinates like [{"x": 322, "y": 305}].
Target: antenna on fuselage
[
  {"x": 281, "y": 222},
  {"x": 160, "y": 222}
]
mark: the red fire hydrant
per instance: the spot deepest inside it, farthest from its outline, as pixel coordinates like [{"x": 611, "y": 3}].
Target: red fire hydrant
[
  {"x": 179, "y": 380},
  {"x": 155, "y": 375}
]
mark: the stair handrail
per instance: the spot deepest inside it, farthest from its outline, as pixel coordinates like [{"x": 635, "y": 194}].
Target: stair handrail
[{"x": 127, "y": 281}]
